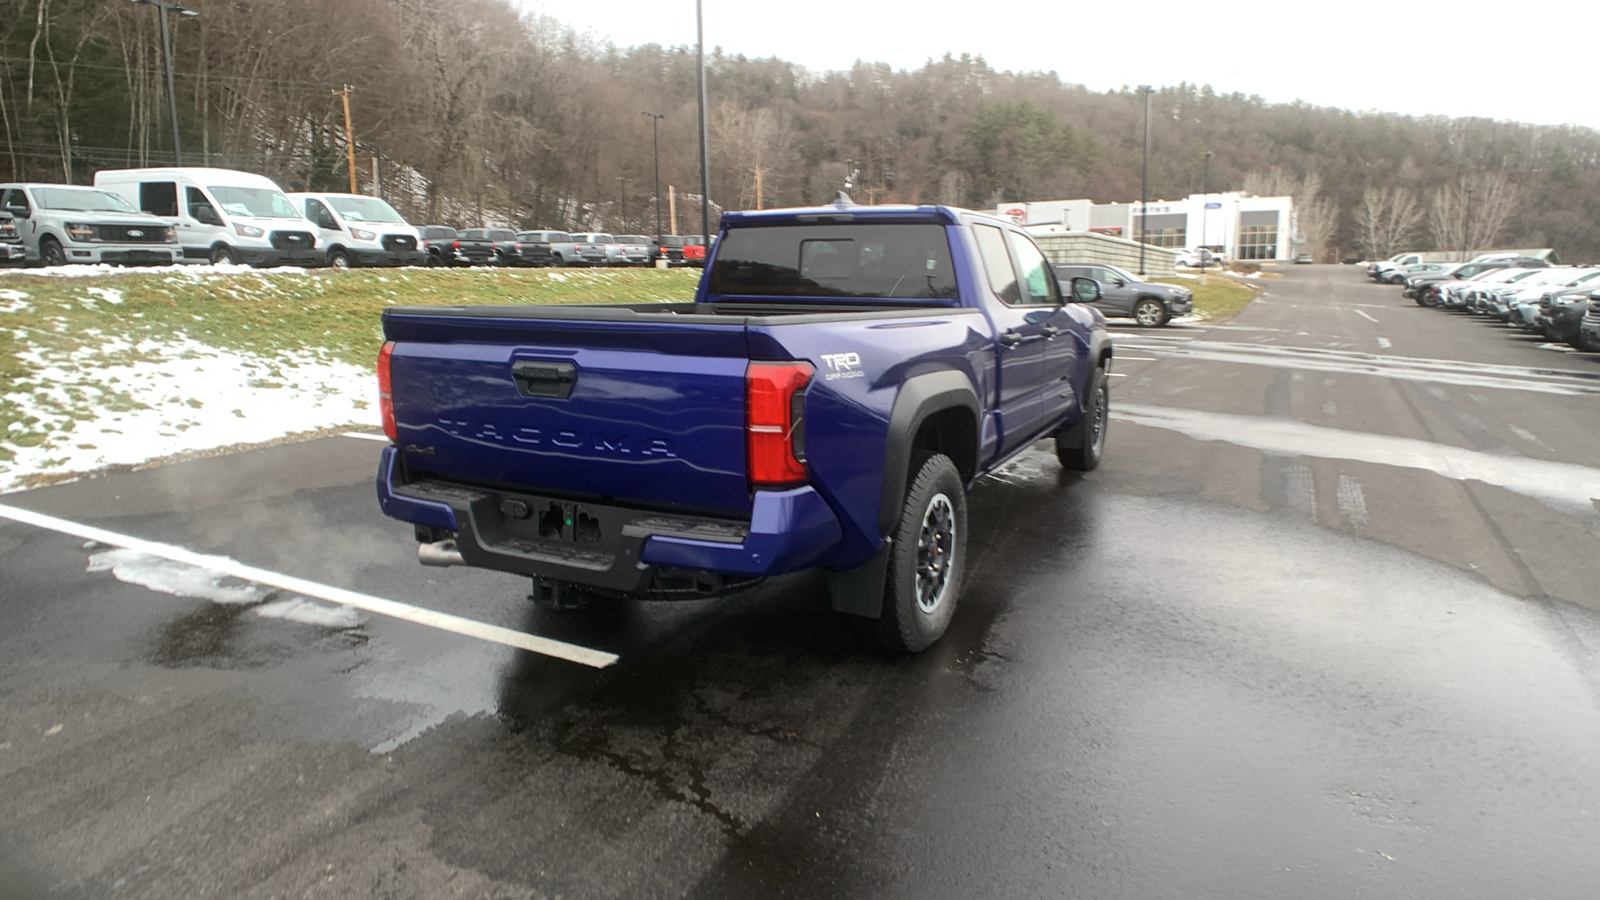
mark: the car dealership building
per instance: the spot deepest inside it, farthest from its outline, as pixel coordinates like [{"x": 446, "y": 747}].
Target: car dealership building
[{"x": 1239, "y": 226}]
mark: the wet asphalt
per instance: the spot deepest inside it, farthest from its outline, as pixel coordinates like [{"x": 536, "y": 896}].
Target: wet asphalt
[{"x": 1331, "y": 633}]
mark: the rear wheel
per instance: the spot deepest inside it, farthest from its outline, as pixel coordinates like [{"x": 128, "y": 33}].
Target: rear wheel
[
  {"x": 1081, "y": 446},
  {"x": 1150, "y": 313},
  {"x": 222, "y": 255},
  {"x": 50, "y": 252},
  {"x": 926, "y": 558},
  {"x": 339, "y": 259}
]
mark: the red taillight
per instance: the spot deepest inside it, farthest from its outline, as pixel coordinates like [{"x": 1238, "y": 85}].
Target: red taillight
[
  {"x": 386, "y": 392},
  {"x": 774, "y": 408},
  {"x": 455, "y": 245},
  {"x": 517, "y": 247}
]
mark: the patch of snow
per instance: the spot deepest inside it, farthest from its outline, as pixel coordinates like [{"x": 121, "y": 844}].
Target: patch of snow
[
  {"x": 157, "y": 574},
  {"x": 557, "y": 276},
  {"x": 109, "y": 295},
  {"x": 310, "y": 612},
  {"x": 95, "y": 407},
  {"x": 13, "y": 301}
]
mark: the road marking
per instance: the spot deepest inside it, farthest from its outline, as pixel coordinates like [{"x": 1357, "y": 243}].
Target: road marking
[
  {"x": 1365, "y": 316},
  {"x": 366, "y": 436},
  {"x": 1119, "y": 374},
  {"x": 1383, "y": 344},
  {"x": 599, "y": 659},
  {"x": 1136, "y": 358}
]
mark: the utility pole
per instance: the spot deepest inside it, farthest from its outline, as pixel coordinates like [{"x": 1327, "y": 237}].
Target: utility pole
[
  {"x": 1466, "y": 230},
  {"x": 377, "y": 170},
  {"x": 622, "y": 181},
  {"x": 1205, "y": 210},
  {"x": 349, "y": 135},
  {"x": 166, "y": 62},
  {"x": 655, "y": 136},
  {"x": 759, "y": 172},
  {"x": 1144, "y": 177},
  {"x": 705, "y": 161},
  {"x": 672, "y": 207}
]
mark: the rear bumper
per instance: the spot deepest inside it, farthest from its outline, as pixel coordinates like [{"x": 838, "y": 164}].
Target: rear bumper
[{"x": 611, "y": 547}]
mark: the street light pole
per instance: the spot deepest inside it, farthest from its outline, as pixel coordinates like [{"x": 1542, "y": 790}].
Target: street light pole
[
  {"x": 655, "y": 136},
  {"x": 1144, "y": 177},
  {"x": 1205, "y": 212},
  {"x": 705, "y": 160},
  {"x": 1466, "y": 230},
  {"x": 622, "y": 192},
  {"x": 166, "y": 62}
]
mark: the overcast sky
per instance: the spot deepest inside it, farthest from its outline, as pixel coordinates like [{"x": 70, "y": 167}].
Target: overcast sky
[{"x": 1527, "y": 62}]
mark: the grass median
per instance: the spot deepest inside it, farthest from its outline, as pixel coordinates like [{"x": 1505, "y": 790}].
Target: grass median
[
  {"x": 1220, "y": 297},
  {"x": 58, "y": 331}
]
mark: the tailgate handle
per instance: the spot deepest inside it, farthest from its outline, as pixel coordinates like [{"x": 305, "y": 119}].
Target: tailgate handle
[{"x": 544, "y": 379}]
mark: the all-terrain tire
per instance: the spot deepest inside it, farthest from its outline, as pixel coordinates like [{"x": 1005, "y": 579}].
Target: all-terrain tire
[
  {"x": 50, "y": 252},
  {"x": 1081, "y": 446},
  {"x": 927, "y": 558}
]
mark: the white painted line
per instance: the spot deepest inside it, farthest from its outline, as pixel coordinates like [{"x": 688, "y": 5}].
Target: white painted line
[
  {"x": 599, "y": 659},
  {"x": 1366, "y": 316},
  {"x": 1119, "y": 374},
  {"x": 1383, "y": 344},
  {"x": 365, "y": 436},
  {"x": 1137, "y": 358}
]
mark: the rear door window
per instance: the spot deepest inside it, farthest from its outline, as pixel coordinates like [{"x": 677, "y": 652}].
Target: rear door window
[
  {"x": 159, "y": 198},
  {"x": 997, "y": 263}
]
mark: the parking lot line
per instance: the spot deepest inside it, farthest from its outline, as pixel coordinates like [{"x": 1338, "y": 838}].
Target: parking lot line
[
  {"x": 394, "y": 609},
  {"x": 366, "y": 436}
]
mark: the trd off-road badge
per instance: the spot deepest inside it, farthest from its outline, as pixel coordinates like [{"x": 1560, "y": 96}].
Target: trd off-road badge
[{"x": 842, "y": 365}]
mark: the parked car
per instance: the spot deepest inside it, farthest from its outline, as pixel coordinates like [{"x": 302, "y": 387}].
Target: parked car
[
  {"x": 62, "y": 223},
  {"x": 446, "y": 247},
  {"x": 1124, "y": 294},
  {"x": 628, "y": 250},
  {"x": 1561, "y": 319},
  {"x": 507, "y": 250},
  {"x": 536, "y": 245},
  {"x": 1399, "y": 275},
  {"x": 221, "y": 215},
  {"x": 1302, "y": 259},
  {"x": 579, "y": 250},
  {"x": 694, "y": 250},
  {"x": 1589, "y": 333},
  {"x": 670, "y": 248},
  {"x": 12, "y": 253},
  {"x": 1422, "y": 288},
  {"x": 674, "y": 450},
  {"x": 358, "y": 230},
  {"x": 1456, "y": 294}
]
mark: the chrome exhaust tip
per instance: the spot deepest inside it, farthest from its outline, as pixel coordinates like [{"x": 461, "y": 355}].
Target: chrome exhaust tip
[{"x": 440, "y": 554}]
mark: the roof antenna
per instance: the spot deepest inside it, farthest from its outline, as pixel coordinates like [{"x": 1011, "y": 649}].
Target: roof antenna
[{"x": 843, "y": 200}]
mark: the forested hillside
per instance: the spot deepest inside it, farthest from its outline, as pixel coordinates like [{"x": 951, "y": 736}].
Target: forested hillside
[{"x": 483, "y": 114}]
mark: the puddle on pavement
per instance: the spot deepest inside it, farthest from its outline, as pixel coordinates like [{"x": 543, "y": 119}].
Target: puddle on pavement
[{"x": 1568, "y": 488}]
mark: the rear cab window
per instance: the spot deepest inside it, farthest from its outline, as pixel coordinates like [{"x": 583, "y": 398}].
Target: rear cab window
[{"x": 897, "y": 261}]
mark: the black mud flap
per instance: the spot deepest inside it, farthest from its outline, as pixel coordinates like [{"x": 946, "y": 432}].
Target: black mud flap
[{"x": 859, "y": 591}]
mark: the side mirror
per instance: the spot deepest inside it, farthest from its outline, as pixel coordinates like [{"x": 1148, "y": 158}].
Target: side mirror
[
  {"x": 205, "y": 215},
  {"x": 20, "y": 212},
  {"x": 1119, "y": 283},
  {"x": 1085, "y": 290}
]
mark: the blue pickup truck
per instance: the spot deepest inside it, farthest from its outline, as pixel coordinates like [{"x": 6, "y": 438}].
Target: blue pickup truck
[{"x": 842, "y": 377}]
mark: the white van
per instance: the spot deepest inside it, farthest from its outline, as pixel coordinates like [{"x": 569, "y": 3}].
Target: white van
[
  {"x": 222, "y": 216},
  {"x": 358, "y": 230}
]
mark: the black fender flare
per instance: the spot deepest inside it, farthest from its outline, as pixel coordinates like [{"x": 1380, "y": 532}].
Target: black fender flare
[
  {"x": 859, "y": 591},
  {"x": 920, "y": 397}
]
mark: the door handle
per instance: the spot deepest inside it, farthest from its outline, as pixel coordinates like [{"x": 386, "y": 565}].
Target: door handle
[
  {"x": 1051, "y": 331},
  {"x": 1010, "y": 338}
]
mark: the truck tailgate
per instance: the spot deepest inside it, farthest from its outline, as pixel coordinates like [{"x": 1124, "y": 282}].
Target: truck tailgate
[{"x": 565, "y": 406}]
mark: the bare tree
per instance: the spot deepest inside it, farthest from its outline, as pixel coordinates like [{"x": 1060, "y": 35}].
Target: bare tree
[
  {"x": 1387, "y": 220},
  {"x": 1471, "y": 214},
  {"x": 1316, "y": 214}
]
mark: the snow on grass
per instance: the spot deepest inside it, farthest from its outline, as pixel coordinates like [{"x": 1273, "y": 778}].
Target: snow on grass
[
  {"x": 115, "y": 403},
  {"x": 12, "y": 301},
  {"x": 109, "y": 295}
]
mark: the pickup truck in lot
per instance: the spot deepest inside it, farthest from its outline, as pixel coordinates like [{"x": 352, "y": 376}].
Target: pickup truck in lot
[
  {"x": 11, "y": 250},
  {"x": 842, "y": 377}
]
